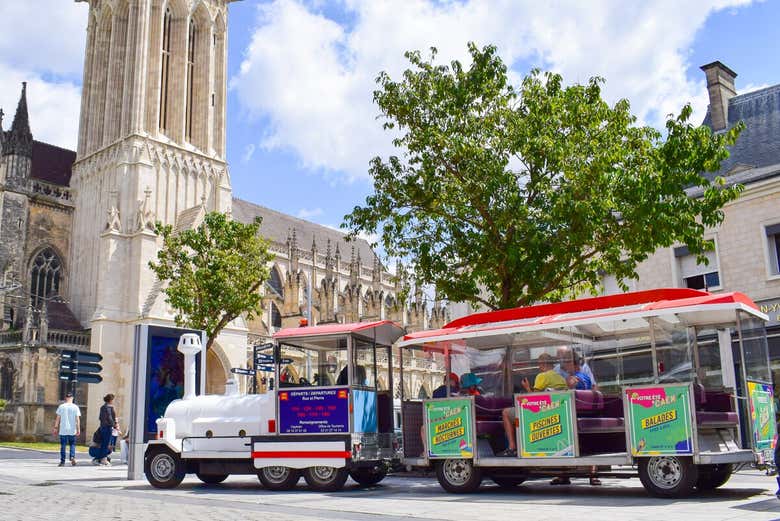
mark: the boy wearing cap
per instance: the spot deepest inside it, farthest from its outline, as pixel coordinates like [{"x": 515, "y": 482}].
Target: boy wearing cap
[
  {"x": 68, "y": 426},
  {"x": 441, "y": 391}
]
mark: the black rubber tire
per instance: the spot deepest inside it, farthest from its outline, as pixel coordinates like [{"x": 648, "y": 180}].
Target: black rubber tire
[
  {"x": 713, "y": 476},
  {"x": 211, "y": 479},
  {"x": 458, "y": 476},
  {"x": 279, "y": 478},
  {"x": 163, "y": 467},
  {"x": 507, "y": 481},
  {"x": 680, "y": 474},
  {"x": 325, "y": 479},
  {"x": 368, "y": 476}
]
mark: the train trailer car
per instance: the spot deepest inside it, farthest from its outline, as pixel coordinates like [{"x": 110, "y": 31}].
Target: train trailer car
[
  {"x": 330, "y": 416},
  {"x": 672, "y": 385}
]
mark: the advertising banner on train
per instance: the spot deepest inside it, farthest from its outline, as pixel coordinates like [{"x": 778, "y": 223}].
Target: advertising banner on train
[
  {"x": 660, "y": 420},
  {"x": 762, "y": 415},
  {"x": 449, "y": 428},
  {"x": 314, "y": 411},
  {"x": 547, "y": 427}
]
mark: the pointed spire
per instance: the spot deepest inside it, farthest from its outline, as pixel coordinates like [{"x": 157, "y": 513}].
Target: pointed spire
[{"x": 20, "y": 139}]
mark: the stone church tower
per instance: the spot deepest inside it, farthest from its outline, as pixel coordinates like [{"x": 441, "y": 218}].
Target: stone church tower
[{"x": 151, "y": 147}]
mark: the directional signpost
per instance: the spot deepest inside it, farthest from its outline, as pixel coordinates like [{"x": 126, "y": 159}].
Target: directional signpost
[
  {"x": 245, "y": 372},
  {"x": 80, "y": 367}
]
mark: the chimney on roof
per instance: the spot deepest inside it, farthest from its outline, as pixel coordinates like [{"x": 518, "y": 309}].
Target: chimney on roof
[{"x": 720, "y": 87}]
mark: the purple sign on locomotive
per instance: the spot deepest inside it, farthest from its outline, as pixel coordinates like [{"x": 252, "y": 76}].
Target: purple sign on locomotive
[{"x": 314, "y": 411}]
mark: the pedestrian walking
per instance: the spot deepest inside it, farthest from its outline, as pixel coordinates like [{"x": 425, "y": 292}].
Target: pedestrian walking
[
  {"x": 108, "y": 423},
  {"x": 67, "y": 426}
]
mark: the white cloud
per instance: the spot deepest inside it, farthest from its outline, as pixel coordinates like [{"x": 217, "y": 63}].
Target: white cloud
[
  {"x": 42, "y": 43},
  {"x": 306, "y": 213},
  {"x": 313, "y": 78},
  {"x": 249, "y": 151}
]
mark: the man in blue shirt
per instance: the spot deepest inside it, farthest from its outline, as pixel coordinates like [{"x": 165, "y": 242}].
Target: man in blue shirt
[
  {"x": 566, "y": 355},
  {"x": 68, "y": 426}
]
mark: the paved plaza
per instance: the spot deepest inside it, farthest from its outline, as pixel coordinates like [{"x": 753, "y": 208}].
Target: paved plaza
[{"x": 32, "y": 487}]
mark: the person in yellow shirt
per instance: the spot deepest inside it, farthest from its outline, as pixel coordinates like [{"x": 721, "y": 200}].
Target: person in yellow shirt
[{"x": 546, "y": 379}]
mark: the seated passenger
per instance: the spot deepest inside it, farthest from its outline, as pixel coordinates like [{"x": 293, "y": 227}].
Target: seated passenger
[
  {"x": 577, "y": 378},
  {"x": 565, "y": 353},
  {"x": 441, "y": 391},
  {"x": 360, "y": 376},
  {"x": 469, "y": 384},
  {"x": 546, "y": 379}
]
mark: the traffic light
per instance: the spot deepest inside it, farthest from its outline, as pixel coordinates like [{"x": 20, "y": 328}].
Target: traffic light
[{"x": 80, "y": 366}]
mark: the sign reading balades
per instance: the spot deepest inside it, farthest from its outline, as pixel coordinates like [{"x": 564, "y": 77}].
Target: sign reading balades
[{"x": 314, "y": 411}]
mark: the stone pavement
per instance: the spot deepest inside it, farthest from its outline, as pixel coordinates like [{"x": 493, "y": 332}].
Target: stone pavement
[{"x": 32, "y": 487}]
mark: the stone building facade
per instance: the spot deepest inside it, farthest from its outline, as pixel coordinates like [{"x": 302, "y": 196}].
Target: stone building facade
[
  {"x": 746, "y": 256},
  {"x": 36, "y": 212},
  {"x": 77, "y": 228}
]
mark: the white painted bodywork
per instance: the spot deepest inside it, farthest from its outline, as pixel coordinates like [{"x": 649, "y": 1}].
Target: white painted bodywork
[{"x": 302, "y": 461}]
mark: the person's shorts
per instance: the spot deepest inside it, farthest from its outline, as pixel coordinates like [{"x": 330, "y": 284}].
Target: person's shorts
[{"x": 512, "y": 413}]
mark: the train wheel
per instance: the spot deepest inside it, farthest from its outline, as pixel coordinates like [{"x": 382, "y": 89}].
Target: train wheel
[
  {"x": 279, "y": 478},
  {"x": 163, "y": 468},
  {"x": 211, "y": 479},
  {"x": 368, "y": 476},
  {"x": 325, "y": 479},
  {"x": 458, "y": 475},
  {"x": 713, "y": 476},
  {"x": 668, "y": 476}
]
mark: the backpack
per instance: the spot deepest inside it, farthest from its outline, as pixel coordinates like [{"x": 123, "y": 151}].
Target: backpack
[{"x": 96, "y": 438}]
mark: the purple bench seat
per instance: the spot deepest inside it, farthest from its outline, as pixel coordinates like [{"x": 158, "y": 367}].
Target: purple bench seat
[
  {"x": 716, "y": 418},
  {"x": 591, "y": 425}
]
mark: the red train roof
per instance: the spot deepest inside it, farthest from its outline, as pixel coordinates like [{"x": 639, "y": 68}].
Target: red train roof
[{"x": 339, "y": 329}]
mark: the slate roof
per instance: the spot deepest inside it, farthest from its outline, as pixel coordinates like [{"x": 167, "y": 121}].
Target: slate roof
[
  {"x": 51, "y": 164},
  {"x": 758, "y": 146},
  {"x": 61, "y": 317},
  {"x": 277, "y": 226}
]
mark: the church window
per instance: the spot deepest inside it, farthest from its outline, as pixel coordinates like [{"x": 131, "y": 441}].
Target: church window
[
  {"x": 422, "y": 394},
  {"x": 276, "y": 317},
  {"x": 45, "y": 276},
  {"x": 7, "y": 380},
  {"x": 164, "y": 73},
  {"x": 275, "y": 283},
  {"x": 193, "y": 36}
]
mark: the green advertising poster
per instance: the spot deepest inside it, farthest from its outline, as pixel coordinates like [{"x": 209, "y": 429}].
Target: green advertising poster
[
  {"x": 546, "y": 425},
  {"x": 660, "y": 420},
  {"x": 449, "y": 428},
  {"x": 762, "y": 415}
]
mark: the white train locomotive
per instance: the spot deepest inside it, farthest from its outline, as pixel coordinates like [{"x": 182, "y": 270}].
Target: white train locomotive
[{"x": 329, "y": 416}]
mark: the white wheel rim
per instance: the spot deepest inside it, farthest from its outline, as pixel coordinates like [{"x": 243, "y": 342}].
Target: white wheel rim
[
  {"x": 457, "y": 471},
  {"x": 276, "y": 474},
  {"x": 162, "y": 467},
  {"x": 324, "y": 473},
  {"x": 665, "y": 472}
]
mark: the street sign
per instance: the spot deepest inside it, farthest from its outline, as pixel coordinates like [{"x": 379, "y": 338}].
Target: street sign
[
  {"x": 260, "y": 358},
  {"x": 263, "y": 346},
  {"x": 83, "y": 356},
  {"x": 285, "y": 361},
  {"x": 265, "y": 368},
  {"x": 239, "y": 370},
  {"x": 80, "y": 366}
]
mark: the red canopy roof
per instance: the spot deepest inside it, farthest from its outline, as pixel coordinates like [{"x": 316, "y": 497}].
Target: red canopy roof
[
  {"x": 334, "y": 329},
  {"x": 656, "y": 299}
]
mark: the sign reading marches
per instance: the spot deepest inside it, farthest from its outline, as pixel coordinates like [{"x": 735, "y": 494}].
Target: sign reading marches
[
  {"x": 762, "y": 415},
  {"x": 546, "y": 425},
  {"x": 449, "y": 428},
  {"x": 660, "y": 420}
]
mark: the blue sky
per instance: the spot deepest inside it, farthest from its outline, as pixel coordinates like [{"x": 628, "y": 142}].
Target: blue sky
[{"x": 301, "y": 125}]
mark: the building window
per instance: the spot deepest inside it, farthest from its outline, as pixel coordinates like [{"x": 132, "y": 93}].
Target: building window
[
  {"x": 695, "y": 275},
  {"x": 773, "y": 243},
  {"x": 276, "y": 318},
  {"x": 165, "y": 70},
  {"x": 7, "y": 380},
  {"x": 275, "y": 283},
  {"x": 193, "y": 33},
  {"x": 45, "y": 277}
]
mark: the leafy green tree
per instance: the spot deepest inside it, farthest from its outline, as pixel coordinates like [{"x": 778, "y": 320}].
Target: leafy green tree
[
  {"x": 213, "y": 272},
  {"x": 507, "y": 196}
]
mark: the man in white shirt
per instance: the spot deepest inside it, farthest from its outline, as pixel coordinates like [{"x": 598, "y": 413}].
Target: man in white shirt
[
  {"x": 68, "y": 426},
  {"x": 566, "y": 353}
]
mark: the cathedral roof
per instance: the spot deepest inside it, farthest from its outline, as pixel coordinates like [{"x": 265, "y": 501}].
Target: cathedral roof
[
  {"x": 51, "y": 164},
  {"x": 278, "y": 226}
]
